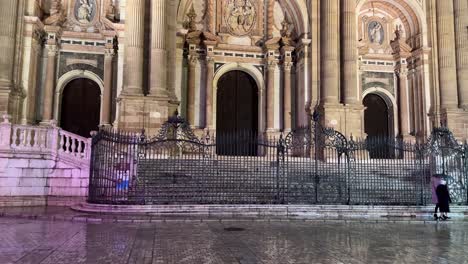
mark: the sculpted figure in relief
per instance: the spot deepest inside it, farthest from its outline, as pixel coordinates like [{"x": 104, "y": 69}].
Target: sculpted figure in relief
[
  {"x": 375, "y": 32},
  {"x": 84, "y": 11},
  {"x": 240, "y": 16}
]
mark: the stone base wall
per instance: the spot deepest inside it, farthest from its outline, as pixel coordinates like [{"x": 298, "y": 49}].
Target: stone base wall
[
  {"x": 345, "y": 119},
  {"x": 4, "y": 95},
  {"x": 457, "y": 122},
  {"x": 31, "y": 180},
  {"x": 137, "y": 112}
]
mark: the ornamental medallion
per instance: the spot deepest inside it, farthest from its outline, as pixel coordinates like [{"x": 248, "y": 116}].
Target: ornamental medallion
[{"x": 240, "y": 17}]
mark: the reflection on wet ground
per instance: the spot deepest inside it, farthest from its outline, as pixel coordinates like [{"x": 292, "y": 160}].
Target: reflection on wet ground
[{"x": 30, "y": 241}]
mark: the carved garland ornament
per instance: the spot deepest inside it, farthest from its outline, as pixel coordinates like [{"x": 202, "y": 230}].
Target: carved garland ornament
[{"x": 240, "y": 16}]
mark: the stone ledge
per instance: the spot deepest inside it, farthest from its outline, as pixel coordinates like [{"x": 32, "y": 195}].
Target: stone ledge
[{"x": 288, "y": 212}]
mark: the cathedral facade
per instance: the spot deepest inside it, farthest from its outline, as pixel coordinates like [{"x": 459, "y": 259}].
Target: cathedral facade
[{"x": 369, "y": 67}]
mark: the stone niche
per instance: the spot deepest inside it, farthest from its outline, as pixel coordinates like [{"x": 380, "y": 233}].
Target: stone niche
[{"x": 84, "y": 15}]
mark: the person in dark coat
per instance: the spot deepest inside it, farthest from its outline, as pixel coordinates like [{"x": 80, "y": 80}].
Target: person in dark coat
[
  {"x": 443, "y": 197},
  {"x": 435, "y": 181}
]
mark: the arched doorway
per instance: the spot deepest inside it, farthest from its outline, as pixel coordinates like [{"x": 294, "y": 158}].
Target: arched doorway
[
  {"x": 237, "y": 114},
  {"x": 377, "y": 125},
  {"x": 81, "y": 107}
]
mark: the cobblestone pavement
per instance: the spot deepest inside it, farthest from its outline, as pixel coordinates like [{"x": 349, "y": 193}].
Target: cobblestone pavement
[{"x": 33, "y": 241}]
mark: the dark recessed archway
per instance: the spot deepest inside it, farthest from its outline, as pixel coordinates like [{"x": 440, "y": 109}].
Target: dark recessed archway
[
  {"x": 81, "y": 107},
  {"x": 237, "y": 114},
  {"x": 377, "y": 125}
]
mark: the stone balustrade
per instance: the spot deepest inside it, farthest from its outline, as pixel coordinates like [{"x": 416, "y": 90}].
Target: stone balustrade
[
  {"x": 42, "y": 165},
  {"x": 28, "y": 138},
  {"x": 43, "y": 140},
  {"x": 74, "y": 145}
]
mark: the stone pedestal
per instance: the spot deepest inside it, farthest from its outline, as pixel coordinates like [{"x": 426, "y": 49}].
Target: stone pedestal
[
  {"x": 4, "y": 96},
  {"x": 149, "y": 113},
  {"x": 457, "y": 121}
]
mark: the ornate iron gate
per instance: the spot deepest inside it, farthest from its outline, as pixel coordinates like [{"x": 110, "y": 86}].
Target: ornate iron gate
[{"x": 307, "y": 166}]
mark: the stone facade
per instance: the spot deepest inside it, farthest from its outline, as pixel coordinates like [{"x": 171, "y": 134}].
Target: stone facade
[{"x": 152, "y": 57}]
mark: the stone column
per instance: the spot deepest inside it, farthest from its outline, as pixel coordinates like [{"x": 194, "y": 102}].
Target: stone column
[
  {"x": 403, "y": 102},
  {"x": 447, "y": 59},
  {"x": 461, "y": 30},
  {"x": 48, "y": 102},
  {"x": 134, "y": 47},
  {"x": 158, "y": 48},
  {"x": 272, "y": 64},
  {"x": 330, "y": 49},
  {"x": 287, "y": 99},
  {"x": 350, "y": 55},
  {"x": 8, "y": 12},
  {"x": 287, "y": 87},
  {"x": 209, "y": 93},
  {"x": 107, "y": 96},
  {"x": 270, "y": 96}
]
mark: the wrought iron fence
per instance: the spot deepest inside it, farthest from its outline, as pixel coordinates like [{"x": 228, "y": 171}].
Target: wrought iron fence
[{"x": 307, "y": 166}]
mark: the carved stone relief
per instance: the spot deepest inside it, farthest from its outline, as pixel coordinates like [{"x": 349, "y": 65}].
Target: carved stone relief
[{"x": 240, "y": 17}]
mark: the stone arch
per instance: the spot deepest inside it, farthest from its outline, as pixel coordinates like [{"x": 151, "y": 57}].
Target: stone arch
[
  {"x": 256, "y": 75},
  {"x": 410, "y": 10},
  {"x": 66, "y": 79},
  {"x": 391, "y": 102}
]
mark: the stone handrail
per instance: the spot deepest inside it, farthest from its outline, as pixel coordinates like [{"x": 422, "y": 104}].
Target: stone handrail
[
  {"x": 74, "y": 145},
  {"x": 43, "y": 140},
  {"x": 28, "y": 137}
]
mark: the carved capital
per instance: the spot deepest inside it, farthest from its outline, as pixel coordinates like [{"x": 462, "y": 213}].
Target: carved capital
[
  {"x": 52, "y": 50},
  {"x": 109, "y": 53},
  {"x": 193, "y": 59},
  {"x": 287, "y": 65}
]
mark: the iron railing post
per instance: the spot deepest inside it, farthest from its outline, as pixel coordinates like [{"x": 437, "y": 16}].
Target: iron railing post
[
  {"x": 465, "y": 169},
  {"x": 420, "y": 151}
]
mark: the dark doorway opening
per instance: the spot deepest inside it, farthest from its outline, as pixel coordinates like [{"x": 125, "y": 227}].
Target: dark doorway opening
[
  {"x": 237, "y": 115},
  {"x": 81, "y": 107},
  {"x": 377, "y": 127}
]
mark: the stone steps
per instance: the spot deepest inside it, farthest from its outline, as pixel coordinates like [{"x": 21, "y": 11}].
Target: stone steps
[{"x": 275, "y": 211}]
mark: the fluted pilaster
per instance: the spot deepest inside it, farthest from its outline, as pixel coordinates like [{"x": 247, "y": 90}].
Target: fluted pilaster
[
  {"x": 271, "y": 96},
  {"x": 209, "y": 92},
  {"x": 134, "y": 45},
  {"x": 447, "y": 59},
  {"x": 461, "y": 30},
  {"x": 8, "y": 18},
  {"x": 350, "y": 55},
  {"x": 158, "y": 48},
  {"x": 403, "y": 102},
  {"x": 191, "y": 89},
  {"x": 107, "y": 95},
  {"x": 270, "y": 17},
  {"x": 211, "y": 14},
  {"x": 287, "y": 99},
  {"x": 330, "y": 56}
]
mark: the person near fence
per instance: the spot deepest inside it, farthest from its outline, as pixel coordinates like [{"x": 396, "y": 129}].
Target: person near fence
[
  {"x": 435, "y": 181},
  {"x": 443, "y": 197}
]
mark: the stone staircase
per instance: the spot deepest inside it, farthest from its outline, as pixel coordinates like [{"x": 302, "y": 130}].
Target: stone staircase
[{"x": 256, "y": 180}]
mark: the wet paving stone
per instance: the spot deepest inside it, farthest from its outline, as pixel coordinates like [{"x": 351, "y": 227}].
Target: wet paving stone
[{"x": 55, "y": 242}]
